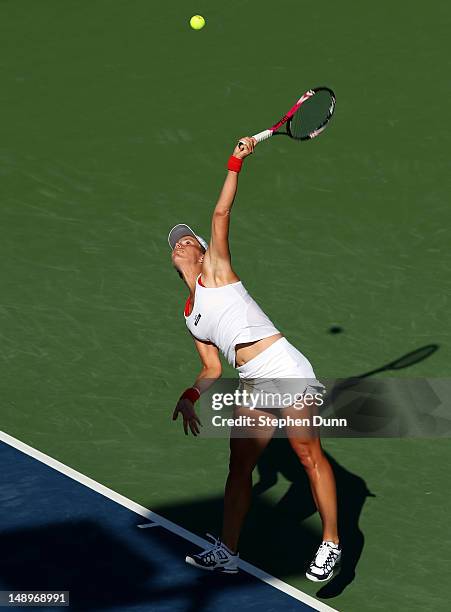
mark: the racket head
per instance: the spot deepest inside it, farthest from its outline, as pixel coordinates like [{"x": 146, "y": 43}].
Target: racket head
[
  {"x": 412, "y": 358},
  {"x": 313, "y": 116}
]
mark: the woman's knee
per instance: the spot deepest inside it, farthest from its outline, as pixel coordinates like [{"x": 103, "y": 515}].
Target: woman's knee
[
  {"x": 309, "y": 452},
  {"x": 238, "y": 469},
  {"x": 243, "y": 459}
]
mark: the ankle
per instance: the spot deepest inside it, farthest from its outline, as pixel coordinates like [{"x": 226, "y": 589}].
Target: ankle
[{"x": 230, "y": 546}]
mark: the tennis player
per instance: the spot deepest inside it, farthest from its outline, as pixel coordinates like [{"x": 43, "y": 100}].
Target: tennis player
[{"x": 221, "y": 315}]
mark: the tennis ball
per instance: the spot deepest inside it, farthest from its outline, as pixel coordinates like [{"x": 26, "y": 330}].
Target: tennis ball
[{"x": 197, "y": 22}]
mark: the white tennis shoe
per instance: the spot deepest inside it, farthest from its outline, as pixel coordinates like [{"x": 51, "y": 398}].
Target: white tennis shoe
[
  {"x": 216, "y": 558},
  {"x": 322, "y": 567}
]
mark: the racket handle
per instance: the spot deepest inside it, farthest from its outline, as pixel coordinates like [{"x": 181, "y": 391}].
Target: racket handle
[
  {"x": 258, "y": 137},
  {"x": 263, "y": 135}
]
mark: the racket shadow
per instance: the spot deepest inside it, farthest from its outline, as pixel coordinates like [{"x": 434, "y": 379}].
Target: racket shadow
[{"x": 407, "y": 360}]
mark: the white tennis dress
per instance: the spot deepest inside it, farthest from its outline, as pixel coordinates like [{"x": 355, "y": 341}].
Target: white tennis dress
[{"x": 227, "y": 316}]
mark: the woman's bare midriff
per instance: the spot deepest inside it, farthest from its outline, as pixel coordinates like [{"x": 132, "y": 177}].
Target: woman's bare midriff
[{"x": 248, "y": 350}]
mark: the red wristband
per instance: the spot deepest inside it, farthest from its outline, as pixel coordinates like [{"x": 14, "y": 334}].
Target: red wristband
[
  {"x": 192, "y": 394},
  {"x": 234, "y": 163}
]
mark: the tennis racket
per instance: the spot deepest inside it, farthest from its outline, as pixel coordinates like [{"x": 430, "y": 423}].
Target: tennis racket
[{"x": 307, "y": 118}]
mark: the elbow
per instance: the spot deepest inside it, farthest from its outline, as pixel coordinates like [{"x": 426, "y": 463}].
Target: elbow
[
  {"x": 217, "y": 372},
  {"x": 213, "y": 372},
  {"x": 221, "y": 212}
]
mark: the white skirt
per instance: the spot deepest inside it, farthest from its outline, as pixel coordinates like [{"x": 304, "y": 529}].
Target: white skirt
[{"x": 280, "y": 369}]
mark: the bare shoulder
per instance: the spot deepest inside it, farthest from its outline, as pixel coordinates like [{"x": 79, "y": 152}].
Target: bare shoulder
[{"x": 217, "y": 276}]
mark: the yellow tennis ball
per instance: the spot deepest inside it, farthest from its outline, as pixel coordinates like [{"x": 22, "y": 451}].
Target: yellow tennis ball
[{"x": 197, "y": 22}]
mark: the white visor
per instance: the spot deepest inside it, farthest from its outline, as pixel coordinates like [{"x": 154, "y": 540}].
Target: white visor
[{"x": 180, "y": 230}]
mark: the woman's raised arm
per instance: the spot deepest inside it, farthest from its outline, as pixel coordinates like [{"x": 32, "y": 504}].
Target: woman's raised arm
[{"x": 218, "y": 253}]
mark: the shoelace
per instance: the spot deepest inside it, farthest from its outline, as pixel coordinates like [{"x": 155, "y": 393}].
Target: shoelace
[
  {"x": 324, "y": 556},
  {"x": 209, "y": 555},
  {"x": 216, "y": 541}
]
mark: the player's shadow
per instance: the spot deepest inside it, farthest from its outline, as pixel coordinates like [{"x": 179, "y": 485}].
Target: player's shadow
[
  {"x": 364, "y": 399},
  {"x": 297, "y": 505},
  {"x": 276, "y": 536}
]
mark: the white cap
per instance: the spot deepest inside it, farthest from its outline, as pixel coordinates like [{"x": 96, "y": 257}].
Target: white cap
[{"x": 180, "y": 230}]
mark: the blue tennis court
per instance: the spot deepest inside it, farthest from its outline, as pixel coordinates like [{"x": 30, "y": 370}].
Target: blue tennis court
[{"x": 61, "y": 535}]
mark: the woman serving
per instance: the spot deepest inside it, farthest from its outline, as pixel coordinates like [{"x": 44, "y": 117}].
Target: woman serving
[{"x": 222, "y": 316}]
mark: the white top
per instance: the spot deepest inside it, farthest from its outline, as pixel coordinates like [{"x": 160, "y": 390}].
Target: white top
[{"x": 227, "y": 316}]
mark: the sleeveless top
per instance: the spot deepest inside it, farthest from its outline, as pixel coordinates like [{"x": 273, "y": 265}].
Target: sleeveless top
[{"x": 226, "y": 316}]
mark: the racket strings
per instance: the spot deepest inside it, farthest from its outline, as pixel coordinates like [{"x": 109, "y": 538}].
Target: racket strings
[{"x": 311, "y": 118}]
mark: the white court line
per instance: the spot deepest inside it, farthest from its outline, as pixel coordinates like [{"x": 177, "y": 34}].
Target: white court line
[{"x": 156, "y": 518}]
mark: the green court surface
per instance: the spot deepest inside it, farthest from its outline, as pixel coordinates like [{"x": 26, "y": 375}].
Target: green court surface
[{"x": 117, "y": 121}]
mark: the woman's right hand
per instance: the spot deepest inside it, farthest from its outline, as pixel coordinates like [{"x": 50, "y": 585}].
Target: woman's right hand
[
  {"x": 246, "y": 148},
  {"x": 190, "y": 419}
]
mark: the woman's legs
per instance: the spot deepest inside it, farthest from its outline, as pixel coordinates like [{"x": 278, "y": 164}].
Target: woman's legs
[{"x": 244, "y": 454}]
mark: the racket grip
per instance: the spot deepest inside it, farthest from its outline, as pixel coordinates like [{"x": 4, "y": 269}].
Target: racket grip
[
  {"x": 263, "y": 135},
  {"x": 259, "y": 137}
]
